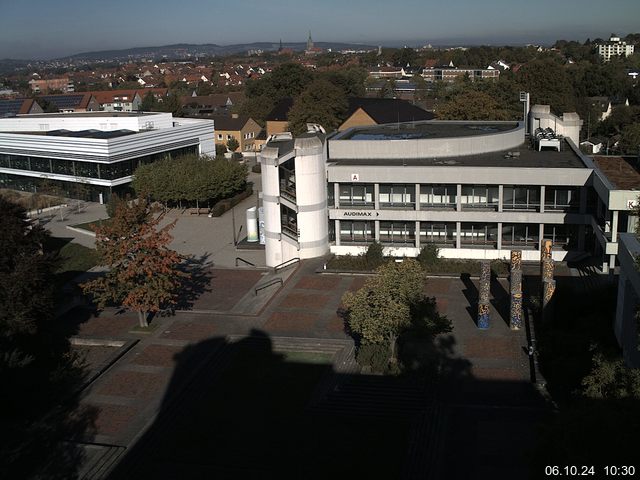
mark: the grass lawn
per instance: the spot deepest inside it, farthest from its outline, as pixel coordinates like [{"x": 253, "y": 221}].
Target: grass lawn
[{"x": 73, "y": 259}]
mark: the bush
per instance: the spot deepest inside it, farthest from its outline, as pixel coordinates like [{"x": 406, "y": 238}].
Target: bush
[
  {"x": 429, "y": 255},
  {"x": 374, "y": 355},
  {"x": 374, "y": 256},
  {"x": 256, "y": 168}
]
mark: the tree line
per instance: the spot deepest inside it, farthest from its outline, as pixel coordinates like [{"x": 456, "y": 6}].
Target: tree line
[{"x": 190, "y": 180}]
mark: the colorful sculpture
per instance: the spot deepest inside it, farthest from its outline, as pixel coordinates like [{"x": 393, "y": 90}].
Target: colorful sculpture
[{"x": 483, "y": 300}]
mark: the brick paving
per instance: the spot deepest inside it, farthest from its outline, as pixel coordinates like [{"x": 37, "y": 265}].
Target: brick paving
[{"x": 131, "y": 392}]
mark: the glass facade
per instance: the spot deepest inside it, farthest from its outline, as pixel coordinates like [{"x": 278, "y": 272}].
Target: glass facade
[
  {"x": 521, "y": 198},
  {"x": 398, "y": 233},
  {"x": 438, "y": 233},
  {"x": 562, "y": 235},
  {"x": 397, "y": 196},
  {"x": 354, "y": 232},
  {"x": 79, "y": 168},
  {"x": 480, "y": 196},
  {"x": 520, "y": 235},
  {"x": 478, "y": 234},
  {"x": 438, "y": 196},
  {"x": 289, "y": 222},
  {"x": 357, "y": 195},
  {"x": 562, "y": 199}
]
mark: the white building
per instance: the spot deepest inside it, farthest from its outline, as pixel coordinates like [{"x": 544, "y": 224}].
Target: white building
[
  {"x": 614, "y": 48},
  {"x": 100, "y": 150},
  {"x": 474, "y": 189}
]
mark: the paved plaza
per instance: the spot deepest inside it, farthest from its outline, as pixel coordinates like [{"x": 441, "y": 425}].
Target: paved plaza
[{"x": 488, "y": 398}]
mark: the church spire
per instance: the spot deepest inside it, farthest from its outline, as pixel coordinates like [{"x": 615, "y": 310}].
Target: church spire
[{"x": 309, "y": 42}]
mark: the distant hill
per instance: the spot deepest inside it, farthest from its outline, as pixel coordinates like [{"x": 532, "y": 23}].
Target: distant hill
[{"x": 187, "y": 50}]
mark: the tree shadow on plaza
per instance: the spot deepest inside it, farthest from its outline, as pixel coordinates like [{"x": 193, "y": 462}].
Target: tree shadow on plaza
[
  {"x": 242, "y": 410},
  {"x": 196, "y": 283}
]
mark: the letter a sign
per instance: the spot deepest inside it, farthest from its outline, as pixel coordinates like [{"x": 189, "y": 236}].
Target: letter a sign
[{"x": 355, "y": 177}]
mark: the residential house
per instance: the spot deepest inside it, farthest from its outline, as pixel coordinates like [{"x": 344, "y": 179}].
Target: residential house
[
  {"x": 19, "y": 106},
  {"x": 244, "y": 129},
  {"x": 376, "y": 111},
  {"x": 73, "y": 102},
  {"x": 45, "y": 85},
  {"x": 207, "y": 105}
]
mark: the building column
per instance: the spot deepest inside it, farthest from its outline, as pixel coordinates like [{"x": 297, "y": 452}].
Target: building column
[
  {"x": 417, "y": 196},
  {"x": 542, "y": 193},
  {"x": 337, "y": 232},
  {"x": 540, "y": 236},
  {"x": 458, "y": 198},
  {"x": 499, "y": 243},
  {"x": 418, "y": 234},
  {"x": 583, "y": 200},
  {"x": 376, "y": 198},
  {"x": 607, "y": 221},
  {"x": 377, "y": 230},
  {"x": 458, "y": 228},
  {"x": 612, "y": 262},
  {"x": 500, "y": 197},
  {"x": 614, "y": 227},
  {"x": 336, "y": 195}
]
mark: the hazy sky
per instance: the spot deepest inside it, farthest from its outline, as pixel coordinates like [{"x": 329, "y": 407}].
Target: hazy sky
[{"x": 52, "y": 28}]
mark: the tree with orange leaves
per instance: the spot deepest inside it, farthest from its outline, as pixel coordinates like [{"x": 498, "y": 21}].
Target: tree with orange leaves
[{"x": 144, "y": 274}]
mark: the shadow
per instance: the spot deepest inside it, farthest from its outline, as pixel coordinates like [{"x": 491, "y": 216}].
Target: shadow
[
  {"x": 472, "y": 295},
  {"x": 197, "y": 281},
  {"x": 501, "y": 300},
  {"x": 242, "y": 410}
]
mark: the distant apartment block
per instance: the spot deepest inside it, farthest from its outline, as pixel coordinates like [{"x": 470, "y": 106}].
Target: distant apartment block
[
  {"x": 450, "y": 74},
  {"x": 43, "y": 86},
  {"x": 614, "y": 48}
]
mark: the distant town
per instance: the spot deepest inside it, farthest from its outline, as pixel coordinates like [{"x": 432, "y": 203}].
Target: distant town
[{"x": 321, "y": 260}]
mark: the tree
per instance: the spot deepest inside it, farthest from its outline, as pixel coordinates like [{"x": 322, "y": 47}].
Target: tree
[
  {"x": 322, "y": 103},
  {"x": 143, "y": 272},
  {"x": 381, "y": 309},
  {"x": 472, "y": 105},
  {"x": 232, "y": 144},
  {"x": 548, "y": 83},
  {"x": 149, "y": 103},
  {"x": 630, "y": 139}
]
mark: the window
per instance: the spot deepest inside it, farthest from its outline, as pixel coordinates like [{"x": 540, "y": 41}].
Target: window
[
  {"x": 438, "y": 196},
  {"x": 393, "y": 196},
  {"x": 564, "y": 236},
  {"x": 478, "y": 234},
  {"x": 356, "y": 232},
  {"x": 521, "y": 234},
  {"x": 360, "y": 195},
  {"x": 229, "y": 137},
  {"x": 219, "y": 136},
  {"x": 398, "y": 233},
  {"x": 479, "y": 196},
  {"x": 564, "y": 199},
  {"x": 521, "y": 198},
  {"x": 289, "y": 222},
  {"x": 438, "y": 233}
]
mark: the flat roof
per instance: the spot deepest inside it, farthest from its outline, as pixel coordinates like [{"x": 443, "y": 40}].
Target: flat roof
[
  {"x": 88, "y": 114},
  {"x": 419, "y": 130},
  {"x": 620, "y": 171},
  {"x": 527, "y": 158}
]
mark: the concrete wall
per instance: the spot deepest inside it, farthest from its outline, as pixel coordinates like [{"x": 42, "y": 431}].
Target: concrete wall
[
  {"x": 90, "y": 121},
  {"x": 626, "y": 326},
  {"x": 428, "y": 147},
  {"x": 568, "y": 125}
]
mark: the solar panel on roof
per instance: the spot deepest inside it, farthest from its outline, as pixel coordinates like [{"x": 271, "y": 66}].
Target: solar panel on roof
[{"x": 10, "y": 106}]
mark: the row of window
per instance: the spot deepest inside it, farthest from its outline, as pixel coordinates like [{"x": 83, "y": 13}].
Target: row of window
[
  {"x": 445, "y": 197},
  {"x": 446, "y": 234},
  {"x": 78, "y": 168}
]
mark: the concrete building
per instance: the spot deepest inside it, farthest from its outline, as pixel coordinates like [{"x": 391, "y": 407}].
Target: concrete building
[
  {"x": 614, "y": 48},
  {"x": 92, "y": 154},
  {"x": 450, "y": 74},
  {"x": 46, "y": 85},
  {"x": 474, "y": 189}
]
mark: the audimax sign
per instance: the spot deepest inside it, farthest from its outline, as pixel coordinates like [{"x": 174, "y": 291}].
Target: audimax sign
[{"x": 356, "y": 213}]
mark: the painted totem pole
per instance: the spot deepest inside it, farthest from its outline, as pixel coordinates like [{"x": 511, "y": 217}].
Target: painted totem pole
[{"x": 483, "y": 301}]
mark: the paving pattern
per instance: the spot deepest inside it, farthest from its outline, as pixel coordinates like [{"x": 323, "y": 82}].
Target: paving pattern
[{"x": 488, "y": 368}]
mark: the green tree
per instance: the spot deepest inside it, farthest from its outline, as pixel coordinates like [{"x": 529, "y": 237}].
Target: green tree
[
  {"x": 549, "y": 84},
  {"x": 405, "y": 56},
  {"x": 472, "y": 105},
  {"x": 381, "y": 309},
  {"x": 630, "y": 139},
  {"x": 233, "y": 144},
  {"x": 143, "y": 273},
  {"x": 149, "y": 103},
  {"x": 322, "y": 103},
  {"x": 37, "y": 368}
]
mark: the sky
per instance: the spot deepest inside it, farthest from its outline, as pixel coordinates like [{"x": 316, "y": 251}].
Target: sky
[{"x": 43, "y": 29}]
